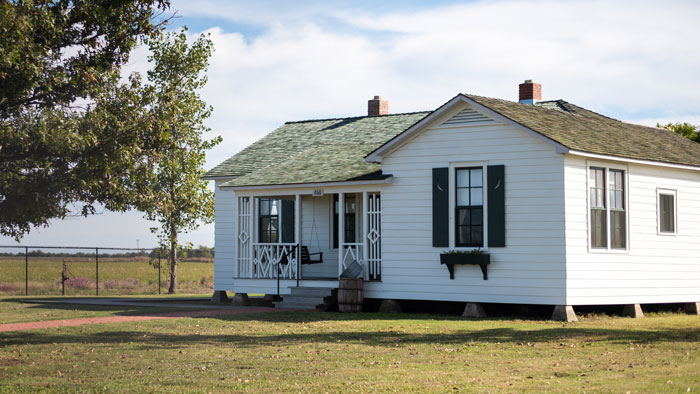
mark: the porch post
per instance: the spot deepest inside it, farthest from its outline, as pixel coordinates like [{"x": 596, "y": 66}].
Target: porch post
[
  {"x": 341, "y": 230},
  {"x": 365, "y": 231},
  {"x": 297, "y": 232},
  {"x": 253, "y": 236},
  {"x": 297, "y": 219}
]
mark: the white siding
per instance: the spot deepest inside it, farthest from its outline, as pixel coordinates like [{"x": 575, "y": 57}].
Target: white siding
[
  {"x": 530, "y": 269},
  {"x": 225, "y": 237},
  {"x": 657, "y": 268}
]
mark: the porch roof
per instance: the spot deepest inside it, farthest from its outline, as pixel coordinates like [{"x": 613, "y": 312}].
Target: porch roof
[{"x": 315, "y": 151}]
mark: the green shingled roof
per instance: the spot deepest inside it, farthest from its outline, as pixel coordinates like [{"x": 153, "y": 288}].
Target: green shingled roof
[
  {"x": 334, "y": 150},
  {"x": 586, "y": 131},
  {"x": 313, "y": 151}
]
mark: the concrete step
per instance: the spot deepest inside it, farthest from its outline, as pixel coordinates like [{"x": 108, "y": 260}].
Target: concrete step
[
  {"x": 297, "y": 305},
  {"x": 304, "y": 299},
  {"x": 312, "y": 291},
  {"x": 311, "y": 298}
]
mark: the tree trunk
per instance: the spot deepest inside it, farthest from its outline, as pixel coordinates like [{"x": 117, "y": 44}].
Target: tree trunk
[{"x": 173, "y": 266}]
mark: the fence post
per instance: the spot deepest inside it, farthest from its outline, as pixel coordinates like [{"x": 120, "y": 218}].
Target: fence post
[
  {"x": 26, "y": 270},
  {"x": 97, "y": 271}
]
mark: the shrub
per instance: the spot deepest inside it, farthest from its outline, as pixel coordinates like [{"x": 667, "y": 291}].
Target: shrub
[
  {"x": 80, "y": 283},
  {"x": 8, "y": 288},
  {"x": 120, "y": 284}
]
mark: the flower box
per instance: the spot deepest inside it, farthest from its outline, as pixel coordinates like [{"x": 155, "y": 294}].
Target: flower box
[{"x": 452, "y": 259}]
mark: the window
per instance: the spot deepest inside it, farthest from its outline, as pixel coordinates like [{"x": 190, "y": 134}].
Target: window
[
  {"x": 350, "y": 213},
  {"x": 469, "y": 221},
  {"x": 608, "y": 208},
  {"x": 599, "y": 236},
  {"x": 269, "y": 219},
  {"x": 618, "y": 233},
  {"x": 667, "y": 211}
]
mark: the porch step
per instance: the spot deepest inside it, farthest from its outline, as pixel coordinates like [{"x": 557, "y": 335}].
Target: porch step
[
  {"x": 319, "y": 298},
  {"x": 312, "y": 291}
]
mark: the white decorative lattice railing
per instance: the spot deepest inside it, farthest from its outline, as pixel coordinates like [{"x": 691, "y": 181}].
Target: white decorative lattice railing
[
  {"x": 245, "y": 214},
  {"x": 268, "y": 258},
  {"x": 351, "y": 252},
  {"x": 374, "y": 237}
]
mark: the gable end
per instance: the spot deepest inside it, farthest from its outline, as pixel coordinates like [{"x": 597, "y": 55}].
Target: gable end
[{"x": 467, "y": 116}]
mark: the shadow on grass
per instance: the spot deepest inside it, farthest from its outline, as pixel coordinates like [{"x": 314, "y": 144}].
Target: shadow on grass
[
  {"x": 117, "y": 310},
  {"x": 386, "y": 337}
]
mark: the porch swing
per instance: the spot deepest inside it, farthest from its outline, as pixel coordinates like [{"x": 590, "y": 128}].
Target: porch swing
[{"x": 304, "y": 255}]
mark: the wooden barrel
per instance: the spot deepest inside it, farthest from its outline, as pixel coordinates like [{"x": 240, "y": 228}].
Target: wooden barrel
[{"x": 350, "y": 295}]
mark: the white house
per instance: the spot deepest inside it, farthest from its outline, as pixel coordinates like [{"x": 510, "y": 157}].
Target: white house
[{"x": 572, "y": 207}]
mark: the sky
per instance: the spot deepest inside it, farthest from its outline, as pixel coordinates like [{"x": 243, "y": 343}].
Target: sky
[{"x": 278, "y": 61}]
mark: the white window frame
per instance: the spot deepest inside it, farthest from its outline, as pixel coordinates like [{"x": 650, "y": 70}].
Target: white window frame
[
  {"x": 453, "y": 166},
  {"x": 668, "y": 192},
  {"x": 607, "y": 166}
]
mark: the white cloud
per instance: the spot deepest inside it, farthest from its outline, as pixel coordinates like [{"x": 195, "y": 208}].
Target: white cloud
[{"x": 630, "y": 60}]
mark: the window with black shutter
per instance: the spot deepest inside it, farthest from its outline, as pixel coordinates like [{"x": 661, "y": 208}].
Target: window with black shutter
[{"x": 470, "y": 206}]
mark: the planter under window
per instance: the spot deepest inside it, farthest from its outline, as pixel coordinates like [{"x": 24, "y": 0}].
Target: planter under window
[{"x": 452, "y": 259}]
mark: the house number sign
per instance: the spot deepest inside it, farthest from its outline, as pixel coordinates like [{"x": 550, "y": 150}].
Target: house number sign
[{"x": 318, "y": 193}]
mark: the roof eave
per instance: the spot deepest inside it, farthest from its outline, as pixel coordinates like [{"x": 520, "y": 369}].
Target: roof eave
[
  {"x": 217, "y": 177},
  {"x": 384, "y": 181},
  {"x": 635, "y": 161}
]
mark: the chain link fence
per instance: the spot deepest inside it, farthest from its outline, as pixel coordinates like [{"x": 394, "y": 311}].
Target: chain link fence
[{"x": 67, "y": 270}]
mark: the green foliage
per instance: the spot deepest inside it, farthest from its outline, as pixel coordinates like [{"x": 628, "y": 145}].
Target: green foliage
[
  {"x": 476, "y": 251},
  {"x": 70, "y": 132},
  {"x": 685, "y": 129},
  {"x": 177, "y": 196}
]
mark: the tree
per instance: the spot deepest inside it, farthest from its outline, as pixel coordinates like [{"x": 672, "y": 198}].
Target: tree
[
  {"x": 70, "y": 132},
  {"x": 685, "y": 129},
  {"x": 179, "y": 198}
]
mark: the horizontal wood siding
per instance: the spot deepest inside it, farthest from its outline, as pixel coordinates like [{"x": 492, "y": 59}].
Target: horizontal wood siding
[
  {"x": 530, "y": 269},
  {"x": 657, "y": 268},
  {"x": 225, "y": 237}
]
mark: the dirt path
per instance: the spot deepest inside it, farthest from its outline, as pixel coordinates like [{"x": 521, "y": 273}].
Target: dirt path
[{"x": 123, "y": 319}]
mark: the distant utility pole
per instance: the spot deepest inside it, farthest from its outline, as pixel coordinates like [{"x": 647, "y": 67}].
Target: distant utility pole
[{"x": 137, "y": 245}]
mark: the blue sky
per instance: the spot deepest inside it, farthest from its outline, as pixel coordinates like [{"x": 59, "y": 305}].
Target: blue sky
[{"x": 276, "y": 61}]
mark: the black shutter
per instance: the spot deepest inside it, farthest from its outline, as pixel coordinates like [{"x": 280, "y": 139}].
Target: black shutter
[
  {"x": 497, "y": 206},
  {"x": 441, "y": 207},
  {"x": 287, "y": 221}
]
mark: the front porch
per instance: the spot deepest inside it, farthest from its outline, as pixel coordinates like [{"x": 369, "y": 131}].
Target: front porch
[{"x": 307, "y": 237}]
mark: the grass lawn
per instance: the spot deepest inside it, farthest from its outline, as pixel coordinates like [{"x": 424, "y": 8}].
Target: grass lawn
[
  {"x": 12, "y": 310},
  {"x": 332, "y": 352},
  {"x": 117, "y": 276}
]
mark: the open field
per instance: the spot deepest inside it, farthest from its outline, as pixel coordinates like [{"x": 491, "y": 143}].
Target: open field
[
  {"x": 332, "y": 352},
  {"x": 118, "y": 276}
]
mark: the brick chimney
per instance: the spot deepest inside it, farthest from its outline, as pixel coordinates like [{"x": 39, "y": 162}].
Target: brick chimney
[
  {"x": 377, "y": 106},
  {"x": 530, "y": 92}
]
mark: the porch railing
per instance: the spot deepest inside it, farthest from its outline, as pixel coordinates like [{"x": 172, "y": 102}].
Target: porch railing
[
  {"x": 272, "y": 261},
  {"x": 351, "y": 252}
]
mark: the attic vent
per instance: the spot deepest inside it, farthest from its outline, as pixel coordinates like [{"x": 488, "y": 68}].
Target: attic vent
[{"x": 467, "y": 116}]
